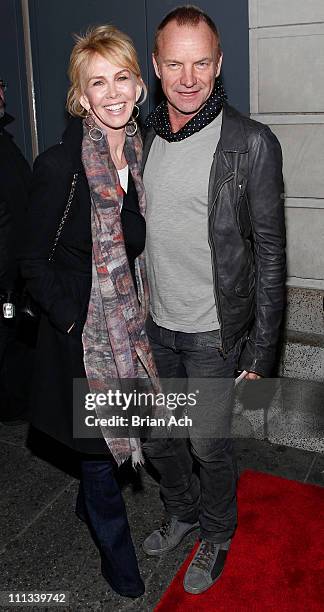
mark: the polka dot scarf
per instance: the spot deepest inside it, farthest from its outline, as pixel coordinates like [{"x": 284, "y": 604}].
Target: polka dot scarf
[{"x": 159, "y": 118}]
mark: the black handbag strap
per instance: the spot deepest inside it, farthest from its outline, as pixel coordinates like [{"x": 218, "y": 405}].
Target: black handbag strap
[{"x": 65, "y": 214}]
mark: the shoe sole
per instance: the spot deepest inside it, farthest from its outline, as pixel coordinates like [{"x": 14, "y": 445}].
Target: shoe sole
[{"x": 153, "y": 552}]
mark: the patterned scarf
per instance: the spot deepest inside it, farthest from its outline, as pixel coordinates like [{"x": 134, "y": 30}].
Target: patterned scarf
[
  {"x": 114, "y": 338},
  {"x": 159, "y": 118}
]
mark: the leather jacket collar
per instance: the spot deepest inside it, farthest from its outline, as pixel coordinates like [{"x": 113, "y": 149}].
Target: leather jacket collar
[{"x": 232, "y": 138}]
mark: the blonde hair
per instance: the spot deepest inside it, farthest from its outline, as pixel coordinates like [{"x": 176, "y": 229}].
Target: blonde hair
[{"x": 110, "y": 43}]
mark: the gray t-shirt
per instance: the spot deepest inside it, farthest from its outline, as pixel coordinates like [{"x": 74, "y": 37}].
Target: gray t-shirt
[{"x": 178, "y": 255}]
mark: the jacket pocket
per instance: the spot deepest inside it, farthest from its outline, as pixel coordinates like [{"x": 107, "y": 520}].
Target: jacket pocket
[{"x": 242, "y": 212}]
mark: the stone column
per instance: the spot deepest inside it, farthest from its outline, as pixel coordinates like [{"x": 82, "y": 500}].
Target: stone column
[{"x": 287, "y": 93}]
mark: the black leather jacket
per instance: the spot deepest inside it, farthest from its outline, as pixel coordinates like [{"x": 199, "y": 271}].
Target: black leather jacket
[{"x": 246, "y": 237}]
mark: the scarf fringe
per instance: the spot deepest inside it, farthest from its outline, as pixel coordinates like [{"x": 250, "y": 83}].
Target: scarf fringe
[{"x": 136, "y": 454}]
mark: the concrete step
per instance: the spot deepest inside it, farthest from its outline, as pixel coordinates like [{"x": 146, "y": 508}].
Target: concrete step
[
  {"x": 302, "y": 355},
  {"x": 290, "y": 410},
  {"x": 284, "y": 411}
]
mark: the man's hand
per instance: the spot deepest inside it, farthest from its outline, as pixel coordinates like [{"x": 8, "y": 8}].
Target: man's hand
[
  {"x": 252, "y": 376},
  {"x": 247, "y": 376}
]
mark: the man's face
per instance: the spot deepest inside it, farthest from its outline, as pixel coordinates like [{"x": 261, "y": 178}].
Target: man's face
[{"x": 187, "y": 64}]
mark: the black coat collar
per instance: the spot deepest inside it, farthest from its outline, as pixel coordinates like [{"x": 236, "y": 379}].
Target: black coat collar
[
  {"x": 5, "y": 120},
  {"x": 72, "y": 142}
]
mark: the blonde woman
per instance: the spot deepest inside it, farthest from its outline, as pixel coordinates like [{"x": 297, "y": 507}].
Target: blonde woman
[{"x": 93, "y": 292}]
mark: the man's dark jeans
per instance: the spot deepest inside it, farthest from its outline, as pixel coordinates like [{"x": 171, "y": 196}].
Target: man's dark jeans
[{"x": 197, "y": 355}]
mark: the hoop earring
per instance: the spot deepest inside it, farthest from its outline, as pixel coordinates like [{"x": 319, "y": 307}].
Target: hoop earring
[
  {"x": 95, "y": 133},
  {"x": 131, "y": 126},
  {"x": 144, "y": 97}
]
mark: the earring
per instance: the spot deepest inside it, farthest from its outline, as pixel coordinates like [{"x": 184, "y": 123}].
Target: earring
[
  {"x": 95, "y": 133},
  {"x": 131, "y": 126},
  {"x": 144, "y": 97}
]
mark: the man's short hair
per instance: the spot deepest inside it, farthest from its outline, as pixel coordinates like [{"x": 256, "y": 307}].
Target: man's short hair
[{"x": 188, "y": 15}]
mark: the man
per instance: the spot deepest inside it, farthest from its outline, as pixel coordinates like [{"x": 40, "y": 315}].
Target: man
[
  {"x": 15, "y": 180},
  {"x": 216, "y": 266}
]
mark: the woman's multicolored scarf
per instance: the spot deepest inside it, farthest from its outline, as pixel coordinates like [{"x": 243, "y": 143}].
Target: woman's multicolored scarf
[{"x": 114, "y": 338}]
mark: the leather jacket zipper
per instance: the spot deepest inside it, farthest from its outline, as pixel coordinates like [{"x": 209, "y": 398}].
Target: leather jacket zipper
[{"x": 214, "y": 269}]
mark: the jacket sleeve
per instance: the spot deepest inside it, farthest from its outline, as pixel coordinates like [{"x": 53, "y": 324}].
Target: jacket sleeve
[
  {"x": 266, "y": 209},
  {"x": 49, "y": 194}
]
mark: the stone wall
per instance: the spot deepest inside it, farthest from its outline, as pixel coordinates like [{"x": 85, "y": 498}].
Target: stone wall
[{"x": 287, "y": 93}]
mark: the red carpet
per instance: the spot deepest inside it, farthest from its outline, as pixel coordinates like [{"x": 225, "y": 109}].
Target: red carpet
[{"x": 276, "y": 562}]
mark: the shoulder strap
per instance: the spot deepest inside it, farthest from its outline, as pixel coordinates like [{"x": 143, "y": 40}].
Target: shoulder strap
[{"x": 65, "y": 214}]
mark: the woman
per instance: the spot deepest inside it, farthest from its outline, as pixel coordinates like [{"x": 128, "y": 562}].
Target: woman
[{"x": 87, "y": 217}]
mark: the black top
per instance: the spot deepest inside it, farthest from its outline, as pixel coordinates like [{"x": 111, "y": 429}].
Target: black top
[{"x": 133, "y": 224}]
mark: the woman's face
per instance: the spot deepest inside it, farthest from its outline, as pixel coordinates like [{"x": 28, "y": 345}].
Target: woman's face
[{"x": 110, "y": 93}]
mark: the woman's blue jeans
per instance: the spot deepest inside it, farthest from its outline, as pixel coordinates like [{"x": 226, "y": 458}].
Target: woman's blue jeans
[{"x": 100, "y": 503}]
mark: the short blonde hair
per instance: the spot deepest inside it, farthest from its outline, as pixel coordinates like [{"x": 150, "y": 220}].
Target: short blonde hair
[
  {"x": 191, "y": 16},
  {"x": 110, "y": 43}
]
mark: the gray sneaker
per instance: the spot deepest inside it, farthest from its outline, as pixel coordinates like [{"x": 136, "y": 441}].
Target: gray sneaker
[
  {"x": 168, "y": 536},
  {"x": 206, "y": 566}
]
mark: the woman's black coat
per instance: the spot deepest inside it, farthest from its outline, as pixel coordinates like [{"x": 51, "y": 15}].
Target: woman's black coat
[{"x": 61, "y": 287}]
